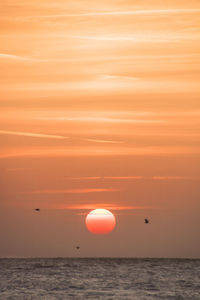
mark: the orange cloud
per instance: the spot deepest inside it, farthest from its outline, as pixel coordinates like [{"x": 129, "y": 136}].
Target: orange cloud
[
  {"x": 169, "y": 177},
  {"x": 175, "y": 178},
  {"x": 98, "y": 119},
  {"x": 104, "y": 205},
  {"x": 103, "y": 141},
  {"x": 123, "y": 13},
  {"x": 97, "y": 151},
  {"x": 32, "y": 134},
  {"x": 107, "y": 177},
  {"x": 73, "y": 191}
]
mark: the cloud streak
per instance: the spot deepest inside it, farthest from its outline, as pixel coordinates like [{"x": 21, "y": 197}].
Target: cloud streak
[
  {"x": 98, "y": 119},
  {"x": 20, "y": 58},
  {"x": 106, "y": 206},
  {"x": 130, "y": 38},
  {"x": 12, "y": 56},
  {"x": 100, "y": 58},
  {"x": 122, "y": 13},
  {"x": 72, "y": 191},
  {"x": 103, "y": 141},
  {"x": 175, "y": 178},
  {"x": 108, "y": 177},
  {"x": 115, "y": 77},
  {"x": 34, "y": 135},
  {"x": 164, "y": 178},
  {"x": 97, "y": 151}
]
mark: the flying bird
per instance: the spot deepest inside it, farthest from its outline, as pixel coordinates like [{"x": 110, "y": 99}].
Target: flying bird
[
  {"x": 77, "y": 247},
  {"x": 37, "y": 209},
  {"x": 146, "y": 221}
]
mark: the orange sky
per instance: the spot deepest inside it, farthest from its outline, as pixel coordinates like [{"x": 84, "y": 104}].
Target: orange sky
[{"x": 99, "y": 107}]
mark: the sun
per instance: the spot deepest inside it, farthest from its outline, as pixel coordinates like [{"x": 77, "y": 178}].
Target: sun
[{"x": 100, "y": 221}]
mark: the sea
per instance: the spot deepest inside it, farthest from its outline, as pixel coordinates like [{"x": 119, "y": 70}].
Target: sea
[{"x": 99, "y": 278}]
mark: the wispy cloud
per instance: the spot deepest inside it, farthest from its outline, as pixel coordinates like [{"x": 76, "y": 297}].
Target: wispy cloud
[
  {"x": 37, "y": 59},
  {"x": 97, "y": 83},
  {"x": 125, "y": 117},
  {"x": 19, "y": 58},
  {"x": 32, "y": 134},
  {"x": 98, "y": 119},
  {"x": 169, "y": 177},
  {"x": 129, "y": 38},
  {"x": 120, "y": 77},
  {"x": 175, "y": 178},
  {"x": 104, "y": 205},
  {"x": 72, "y": 191},
  {"x": 97, "y": 151},
  {"x": 122, "y": 13},
  {"x": 103, "y": 141},
  {"x": 12, "y": 56},
  {"x": 107, "y": 177},
  {"x": 131, "y": 58},
  {"x": 128, "y": 114}
]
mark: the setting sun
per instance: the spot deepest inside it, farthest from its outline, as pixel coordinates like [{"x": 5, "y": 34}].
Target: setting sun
[{"x": 100, "y": 221}]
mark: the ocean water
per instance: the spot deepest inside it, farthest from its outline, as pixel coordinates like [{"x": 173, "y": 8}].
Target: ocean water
[{"x": 99, "y": 278}]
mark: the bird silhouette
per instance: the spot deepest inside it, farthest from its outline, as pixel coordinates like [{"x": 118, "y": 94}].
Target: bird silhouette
[
  {"x": 77, "y": 247},
  {"x": 37, "y": 209},
  {"x": 146, "y": 221}
]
